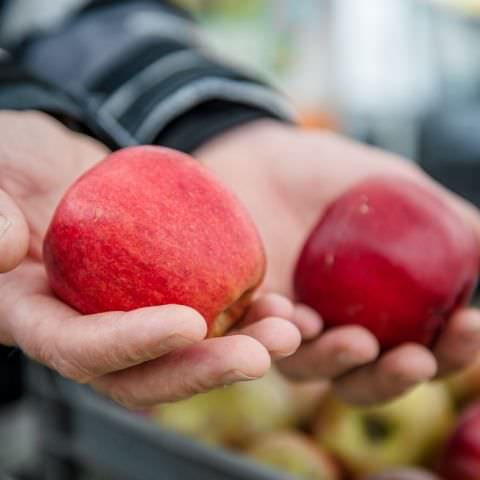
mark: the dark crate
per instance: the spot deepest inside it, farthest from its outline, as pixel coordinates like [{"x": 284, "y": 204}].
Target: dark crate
[{"x": 82, "y": 432}]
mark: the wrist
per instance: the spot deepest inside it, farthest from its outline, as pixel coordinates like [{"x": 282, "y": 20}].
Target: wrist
[{"x": 253, "y": 143}]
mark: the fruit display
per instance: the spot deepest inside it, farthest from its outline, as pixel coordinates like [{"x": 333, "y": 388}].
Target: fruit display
[
  {"x": 382, "y": 238},
  {"x": 142, "y": 228},
  {"x": 408, "y": 439}
]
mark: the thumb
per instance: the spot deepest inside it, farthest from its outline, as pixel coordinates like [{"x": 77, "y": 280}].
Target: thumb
[{"x": 14, "y": 234}]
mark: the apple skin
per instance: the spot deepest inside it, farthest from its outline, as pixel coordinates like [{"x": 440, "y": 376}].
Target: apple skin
[
  {"x": 150, "y": 226},
  {"x": 369, "y": 440},
  {"x": 390, "y": 256},
  {"x": 460, "y": 459},
  {"x": 294, "y": 453}
]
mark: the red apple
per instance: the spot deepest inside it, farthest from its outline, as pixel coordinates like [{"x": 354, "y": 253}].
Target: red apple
[
  {"x": 461, "y": 458},
  {"x": 150, "y": 226},
  {"x": 390, "y": 256}
]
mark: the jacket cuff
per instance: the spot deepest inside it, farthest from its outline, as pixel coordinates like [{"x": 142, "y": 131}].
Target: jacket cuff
[{"x": 22, "y": 91}]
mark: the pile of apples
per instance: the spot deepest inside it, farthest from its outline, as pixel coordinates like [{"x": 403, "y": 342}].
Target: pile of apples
[
  {"x": 149, "y": 226},
  {"x": 302, "y": 429}
]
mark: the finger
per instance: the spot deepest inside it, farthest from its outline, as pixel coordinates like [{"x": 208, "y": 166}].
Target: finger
[
  {"x": 84, "y": 347},
  {"x": 459, "y": 344},
  {"x": 279, "y": 336},
  {"x": 209, "y": 364},
  {"x": 392, "y": 375},
  {"x": 272, "y": 305},
  {"x": 308, "y": 321},
  {"x": 332, "y": 354},
  {"x": 268, "y": 305},
  {"x": 14, "y": 234}
]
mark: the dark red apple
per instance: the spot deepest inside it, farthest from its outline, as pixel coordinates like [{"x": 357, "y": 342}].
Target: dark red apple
[
  {"x": 390, "y": 256},
  {"x": 461, "y": 458},
  {"x": 150, "y": 226}
]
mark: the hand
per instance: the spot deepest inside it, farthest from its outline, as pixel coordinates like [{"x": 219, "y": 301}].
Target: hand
[
  {"x": 286, "y": 177},
  {"x": 138, "y": 358}
]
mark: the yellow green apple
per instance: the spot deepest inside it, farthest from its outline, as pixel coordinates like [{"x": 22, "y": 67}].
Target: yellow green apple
[{"x": 404, "y": 432}]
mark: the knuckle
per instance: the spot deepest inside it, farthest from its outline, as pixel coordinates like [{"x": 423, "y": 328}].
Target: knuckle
[
  {"x": 188, "y": 385},
  {"x": 53, "y": 355},
  {"x": 68, "y": 367},
  {"x": 126, "y": 354},
  {"x": 126, "y": 397}
]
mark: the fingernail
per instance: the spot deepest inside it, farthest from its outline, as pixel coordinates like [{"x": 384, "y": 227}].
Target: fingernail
[
  {"x": 277, "y": 354},
  {"x": 236, "y": 376},
  {"x": 5, "y": 224}
]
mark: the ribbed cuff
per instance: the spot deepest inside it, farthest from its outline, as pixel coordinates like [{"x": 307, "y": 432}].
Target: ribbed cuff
[
  {"x": 190, "y": 131},
  {"x": 20, "y": 91}
]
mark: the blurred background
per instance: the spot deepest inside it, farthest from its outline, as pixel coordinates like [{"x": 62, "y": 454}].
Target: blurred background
[{"x": 402, "y": 75}]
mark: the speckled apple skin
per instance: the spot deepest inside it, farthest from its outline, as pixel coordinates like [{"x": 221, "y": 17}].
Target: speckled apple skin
[
  {"x": 390, "y": 256},
  {"x": 150, "y": 226}
]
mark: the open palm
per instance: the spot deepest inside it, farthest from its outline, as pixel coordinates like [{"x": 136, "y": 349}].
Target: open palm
[
  {"x": 286, "y": 178},
  {"x": 138, "y": 358}
]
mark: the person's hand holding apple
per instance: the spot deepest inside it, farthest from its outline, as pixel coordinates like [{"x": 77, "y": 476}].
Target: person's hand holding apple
[
  {"x": 139, "y": 357},
  {"x": 287, "y": 178}
]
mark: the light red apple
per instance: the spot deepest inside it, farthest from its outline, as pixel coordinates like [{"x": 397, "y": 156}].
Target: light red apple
[
  {"x": 461, "y": 457},
  {"x": 390, "y": 256},
  {"x": 294, "y": 453},
  {"x": 405, "y": 474},
  {"x": 150, "y": 226}
]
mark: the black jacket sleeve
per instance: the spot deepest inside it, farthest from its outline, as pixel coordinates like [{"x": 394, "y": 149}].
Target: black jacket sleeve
[
  {"x": 20, "y": 90},
  {"x": 142, "y": 71}
]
